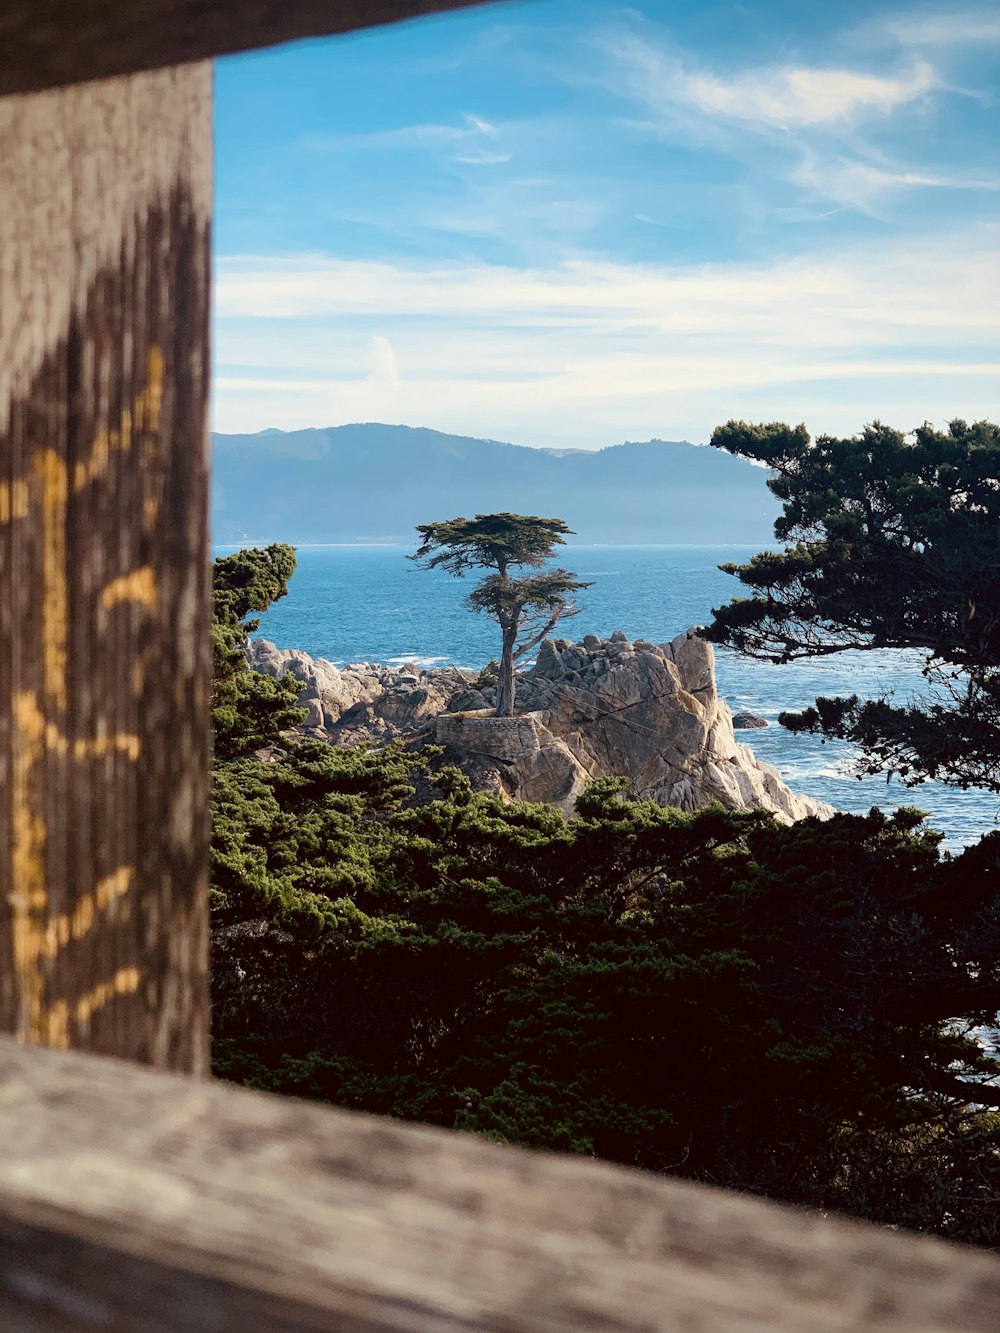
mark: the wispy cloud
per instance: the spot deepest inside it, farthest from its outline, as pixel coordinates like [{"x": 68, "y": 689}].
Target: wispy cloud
[
  {"x": 792, "y": 299},
  {"x": 820, "y": 123},
  {"x": 793, "y": 96},
  {"x": 482, "y": 157},
  {"x": 463, "y": 140},
  {"x": 947, "y": 28},
  {"x": 865, "y": 185},
  {"x": 483, "y": 126},
  {"x": 783, "y": 97},
  {"x": 590, "y": 351}
]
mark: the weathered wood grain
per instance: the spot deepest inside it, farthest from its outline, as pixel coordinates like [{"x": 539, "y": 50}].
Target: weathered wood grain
[
  {"x": 132, "y": 1199},
  {"x": 104, "y": 272},
  {"x": 50, "y": 43}
]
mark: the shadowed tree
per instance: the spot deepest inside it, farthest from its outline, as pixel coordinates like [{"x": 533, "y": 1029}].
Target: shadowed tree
[
  {"x": 892, "y": 541},
  {"x": 526, "y": 607},
  {"x": 710, "y": 995}
]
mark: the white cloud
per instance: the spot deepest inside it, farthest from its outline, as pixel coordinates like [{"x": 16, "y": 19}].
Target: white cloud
[
  {"x": 789, "y": 97},
  {"x": 483, "y": 126},
  {"x": 958, "y": 28},
  {"x": 854, "y": 183},
  {"x": 385, "y": 367},
  {"x": 590, "y": 352},
  {"x": 482, "y": 157},
  {"x": 782, "y": 97},
  {"x": 945, "y": 273}
]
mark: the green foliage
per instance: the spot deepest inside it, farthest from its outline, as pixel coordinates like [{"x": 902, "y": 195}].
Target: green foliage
[
  {"x": 526, "y": 608},
  {"x": 531, "y": 606},
  {"x": 893, "y": 542},
  {"x": 489, "y": 541},
  {"x": 711, "y": 995},
  {"x": 249, "y": 710}
]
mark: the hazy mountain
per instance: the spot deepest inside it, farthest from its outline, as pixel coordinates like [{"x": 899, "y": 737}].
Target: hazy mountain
[{"x": 371, "y": 483}]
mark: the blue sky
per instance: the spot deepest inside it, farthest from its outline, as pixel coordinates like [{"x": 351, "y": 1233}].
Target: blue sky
[{"x": 564, "y": 223}]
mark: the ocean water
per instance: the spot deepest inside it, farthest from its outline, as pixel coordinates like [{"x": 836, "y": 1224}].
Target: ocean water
[{"x": 370, "y": 604}]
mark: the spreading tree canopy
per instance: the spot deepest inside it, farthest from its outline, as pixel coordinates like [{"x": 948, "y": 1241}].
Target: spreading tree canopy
[
  {"x": 892, "y": 541},
  {"x": 527, "y": 607}
]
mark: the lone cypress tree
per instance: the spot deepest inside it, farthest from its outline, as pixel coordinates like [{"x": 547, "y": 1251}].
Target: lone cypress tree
[{"x": 526, "y": 608}]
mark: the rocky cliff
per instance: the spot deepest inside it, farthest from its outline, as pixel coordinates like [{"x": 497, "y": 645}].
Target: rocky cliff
[{"x": 647, "y": 712}]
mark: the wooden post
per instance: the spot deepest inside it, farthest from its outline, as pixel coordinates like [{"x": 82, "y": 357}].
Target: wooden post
[
  {"x": 104, "y": 671},
  {"x": 49, "y": 43}
]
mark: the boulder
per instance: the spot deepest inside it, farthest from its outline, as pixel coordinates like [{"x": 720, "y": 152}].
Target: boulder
[
  {"x": 549, "y": 661},
  {"x": 533, "y": 764},
  {"x": 467, "y": 701},
  {"x": 747, "y": 721}
]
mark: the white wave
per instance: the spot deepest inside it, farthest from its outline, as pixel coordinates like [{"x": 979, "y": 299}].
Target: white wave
[
  {"x": 413, "y": 659},
  {"x": 806, "y": 772}
]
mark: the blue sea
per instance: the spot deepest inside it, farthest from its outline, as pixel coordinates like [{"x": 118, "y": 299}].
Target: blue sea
[{"x": 369, "y": 604}]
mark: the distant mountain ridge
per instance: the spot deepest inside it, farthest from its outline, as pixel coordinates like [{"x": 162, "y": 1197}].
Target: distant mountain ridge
[{"x": 373, "y": 483}]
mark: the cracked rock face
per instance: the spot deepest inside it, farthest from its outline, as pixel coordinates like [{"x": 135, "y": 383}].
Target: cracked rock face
[
  {"x": 646, "y": 712},
  {"x": 362, "y": 703},
  {"x": 650, "y": 713}
]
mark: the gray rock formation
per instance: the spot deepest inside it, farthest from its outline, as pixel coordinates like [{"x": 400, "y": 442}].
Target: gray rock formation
[
  {"x": 532, "y": 764},
  {"x": 363, "y": 702},
  {"x": 747, "y": 722},
  {"x": 649, "y": 713}
]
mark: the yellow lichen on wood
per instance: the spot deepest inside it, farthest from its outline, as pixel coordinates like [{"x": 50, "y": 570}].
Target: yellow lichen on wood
[
  {"x": 105, "y": 444},
  {"x": 28, "y": 898},
  {"x": 52, "y": 739},
  {"x": 149, "y": 404},
  {"x": 63, "y": 929},
  {"x": 33, "y": 937},
  {"x": 13, "y": 500},
  {"x": 51, "y": 469},
  {"x": 121, "y": 742},
  {"x": 139, "y": 585},
  {"x": 126, "y": 981},
  {"x": 143, "y": 415}
]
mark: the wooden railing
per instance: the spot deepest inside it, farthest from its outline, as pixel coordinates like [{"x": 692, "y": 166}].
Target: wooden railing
[
  {"x": 135, "y": 1199},
  {"x": 131, "y": 1197}
]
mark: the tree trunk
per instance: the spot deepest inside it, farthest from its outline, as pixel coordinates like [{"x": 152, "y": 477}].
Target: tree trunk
[{"x": 505, "y": 677}]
